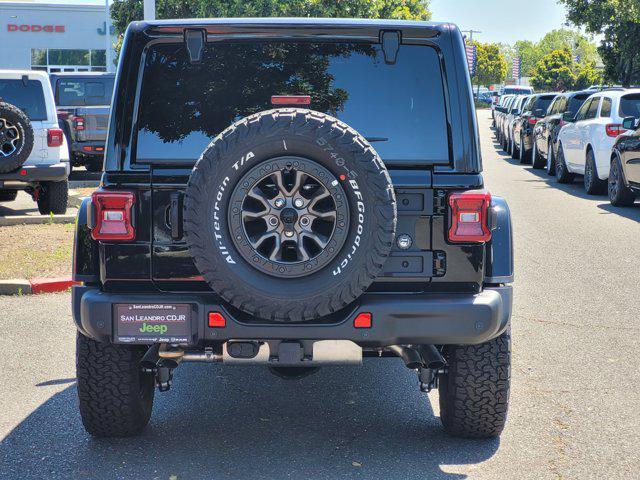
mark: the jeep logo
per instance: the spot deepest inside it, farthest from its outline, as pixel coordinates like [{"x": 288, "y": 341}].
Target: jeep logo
[{"x": 146, "y": 328}]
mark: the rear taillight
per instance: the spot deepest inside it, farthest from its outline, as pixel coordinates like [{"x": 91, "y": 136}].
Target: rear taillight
[
  {"x": 78, "y": 123},
  {"x": 112, "y": 216},
  {"x": 290, "y": 100},
  {"x": 533, "y": 120},
  {"x": 54, "y": 137},
  {"x": 614, "y": 129},
  {"x": 470, "y": 217}
]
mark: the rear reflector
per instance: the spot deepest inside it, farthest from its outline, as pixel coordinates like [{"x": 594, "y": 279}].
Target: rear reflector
[
  {"x": 470, "y": 217},
  {"x": 614, "y": 129},
  {"x": 363, "y": 320},
  {"x": 113, "y": 216},
  {"x": 216, "y": 320},
  {"x": 54, "y": 137},
  {"x": 290, "y": 100},
  {"x": 86, "y": 149}
]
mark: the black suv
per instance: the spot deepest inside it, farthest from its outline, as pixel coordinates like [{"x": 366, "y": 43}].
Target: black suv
[
  {"x": 532, "y": 111},
  {"x": 292, "y": 193}
]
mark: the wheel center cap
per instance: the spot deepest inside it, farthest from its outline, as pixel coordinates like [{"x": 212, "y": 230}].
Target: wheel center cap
[{"x": 289, "y": 216}]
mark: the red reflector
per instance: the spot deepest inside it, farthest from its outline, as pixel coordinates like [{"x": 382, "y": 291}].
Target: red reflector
[
  {"x": 470, "y": 217},
  {"x": 614, "y": 129},
  {"x": 54, "y": 137},
  {"x": 216, "y": 320},
  {"x": 23, "y": 172},
  {"x": 290, "y": 100},
  {"x": 533, "y": 121},
  {"x": 363, "y": 320},
  {"x": 86, "y": 149},
  {"x": 78, "y": 123},
  {"x": 113, "y": 214},
  {"x": 99, "y": 149}
]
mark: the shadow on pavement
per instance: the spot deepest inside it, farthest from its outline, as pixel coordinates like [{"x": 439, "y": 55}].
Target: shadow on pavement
[{"x": 242, "y": 422}]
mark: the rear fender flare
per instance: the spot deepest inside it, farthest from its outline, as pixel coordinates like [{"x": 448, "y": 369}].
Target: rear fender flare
[{"x": 499, "y": 252}]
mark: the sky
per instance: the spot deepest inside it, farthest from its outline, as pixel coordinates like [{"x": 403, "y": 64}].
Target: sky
[{"x": 501, "y": 20}]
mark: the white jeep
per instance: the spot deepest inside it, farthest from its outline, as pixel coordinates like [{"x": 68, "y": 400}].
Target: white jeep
[{"x": 33, "y": 153}]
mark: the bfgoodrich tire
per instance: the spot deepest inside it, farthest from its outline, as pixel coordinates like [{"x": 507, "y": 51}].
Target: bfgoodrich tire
[
  {"x": 257, "y": 254},
  {"x": 16, "y": 137},
  {"x": 115, "y": 396},
  {"x": 53, "y": 198},
  {"x": 474, "y": 390}
]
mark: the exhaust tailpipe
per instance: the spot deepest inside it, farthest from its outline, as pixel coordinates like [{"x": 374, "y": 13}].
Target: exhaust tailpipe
[{"x": 410, "y": 356}]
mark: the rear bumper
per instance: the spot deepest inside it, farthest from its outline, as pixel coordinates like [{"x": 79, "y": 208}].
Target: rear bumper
[
  {"x": 398, "y": 319},
  {"x": 88, "y": 148},
  {"x": 37, "y": 173}
]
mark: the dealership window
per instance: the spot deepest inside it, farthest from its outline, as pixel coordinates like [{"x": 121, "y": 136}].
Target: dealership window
[{"x": 68, "y": 60}]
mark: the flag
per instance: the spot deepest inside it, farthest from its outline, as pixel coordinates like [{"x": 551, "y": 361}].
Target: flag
[
  {"x": 515, "y": 68},
  {"x": 471, "y": 58}
]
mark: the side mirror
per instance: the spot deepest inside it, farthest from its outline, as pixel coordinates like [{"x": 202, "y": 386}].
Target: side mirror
[
  {"x": 538, "y": 113},
  {"x": 630, "y": 123},
  {"x": 568, "y": 117}
]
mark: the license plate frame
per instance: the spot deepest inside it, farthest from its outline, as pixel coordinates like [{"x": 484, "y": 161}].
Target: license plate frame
[{"x": 147, "y": 323}]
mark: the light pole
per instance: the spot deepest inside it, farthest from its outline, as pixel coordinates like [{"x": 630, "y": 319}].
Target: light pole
[
  {"x": 107, "y": 34},
  {"x": 149, "y": 9}
]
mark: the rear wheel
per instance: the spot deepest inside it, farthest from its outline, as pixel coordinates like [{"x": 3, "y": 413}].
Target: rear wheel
[
  {"x": 115, "y": 396},
  {"x": 551, "y": 163},
  {"x": 515, "y": 153},
  {"x": 474, "y": 390},
  {"x": 53, "y": 198},
  {"x": 563, "y": 175},
  {"x": 593, "y": 185},
  {"x": 619, "y": 194},
  {"x": 8, "y": 195},
  {"x": 524, "y": 158},
  {"x": 537, "y": 160}
]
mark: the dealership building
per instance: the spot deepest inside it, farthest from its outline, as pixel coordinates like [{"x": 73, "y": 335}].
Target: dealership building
[{"x": 55, "y": 36}]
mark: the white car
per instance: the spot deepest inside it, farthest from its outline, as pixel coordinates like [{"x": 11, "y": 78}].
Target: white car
[
  {"x": 585, "y": 141},
  {"x": 44, "y": 171}
]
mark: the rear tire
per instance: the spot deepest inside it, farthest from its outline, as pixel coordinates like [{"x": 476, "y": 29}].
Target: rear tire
[
  {"x": 537, "y": 161},
  {"x": 8, "y": 195},
  {"x": 563, "y": 175},
  {"x": 619, "y": 194},
  {"x": 116, "y": 398},
  {"x": 94, "y": 165},
  {"x": 551, "y": 162},
  {"x": 593, "y": 185},
  {"x": 524, "y": 157},
  {"x": 53, "y": 198},
  {"x": 474, "y": 391}
]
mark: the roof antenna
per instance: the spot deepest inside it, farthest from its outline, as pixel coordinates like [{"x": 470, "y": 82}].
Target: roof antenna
[
  {"x": 390, "y": 46},
  {"x": 194, "y": 40}
]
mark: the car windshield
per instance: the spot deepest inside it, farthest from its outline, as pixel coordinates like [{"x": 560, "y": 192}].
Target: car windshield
[
  {"x": 183, "y": 106},
  {"x": 630, "y": 106},
  {"x": 27, "y": 95},
  {"x": 81, "y": 92}
]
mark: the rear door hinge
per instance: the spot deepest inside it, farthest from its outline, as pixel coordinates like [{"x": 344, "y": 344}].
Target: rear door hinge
[
  {"x": 175, "y": 215},
  {"x": 440, "y": 202},
  {"x": 439, "y": 263}
]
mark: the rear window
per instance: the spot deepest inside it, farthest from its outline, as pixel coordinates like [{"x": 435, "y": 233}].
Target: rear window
[
  {"x": 630, "y": 106},
  {"x": 516, "y": 91},
  {"x": 576, "y": 102},
  {"x": 84, "y": 92},
  {"x": 27, "y": 96},
  {"x": 400, "y": 108},
  {"x": 544, "y": 102}
]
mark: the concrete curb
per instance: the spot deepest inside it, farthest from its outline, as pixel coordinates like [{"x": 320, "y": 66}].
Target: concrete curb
[
  {"x": 35, "y": 286},
  {"x": 35, "y": 219}
]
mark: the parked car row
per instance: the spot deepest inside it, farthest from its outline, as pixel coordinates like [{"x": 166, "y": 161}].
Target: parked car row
[
  {"x": 49, "y": 124},
  {"x": 594, "y": 135}
]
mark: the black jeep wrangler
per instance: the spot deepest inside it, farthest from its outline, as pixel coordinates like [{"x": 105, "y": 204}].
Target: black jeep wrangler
[{"x": 294, "y": 193}]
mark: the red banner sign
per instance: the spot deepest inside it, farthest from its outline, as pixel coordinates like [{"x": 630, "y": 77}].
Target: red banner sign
[{"x": 12, "y": 27}]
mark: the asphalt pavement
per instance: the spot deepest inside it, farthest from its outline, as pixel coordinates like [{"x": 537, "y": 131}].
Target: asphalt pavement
[{"x": 575, "y": 402}]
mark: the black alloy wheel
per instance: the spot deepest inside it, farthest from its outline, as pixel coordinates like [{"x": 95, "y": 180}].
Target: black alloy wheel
[{"x": 295, "y": 213}]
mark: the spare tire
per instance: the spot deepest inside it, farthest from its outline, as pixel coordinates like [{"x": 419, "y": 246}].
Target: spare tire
[
  {"x": 16, "y": 137},
  {"x": 289, "y": 215}
]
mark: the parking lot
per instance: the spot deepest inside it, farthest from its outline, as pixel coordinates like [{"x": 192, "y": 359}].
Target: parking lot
[{"x": 574, "y": 400}]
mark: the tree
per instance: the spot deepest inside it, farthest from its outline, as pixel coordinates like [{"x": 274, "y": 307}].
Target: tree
[
  {"x": 619, "y": 23},
  {"x": 586, "y": 75},
  {"x": 125, "y": 11},
  {"x": 491, "y": 66},
  {"x": 554, "y": 71}
]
